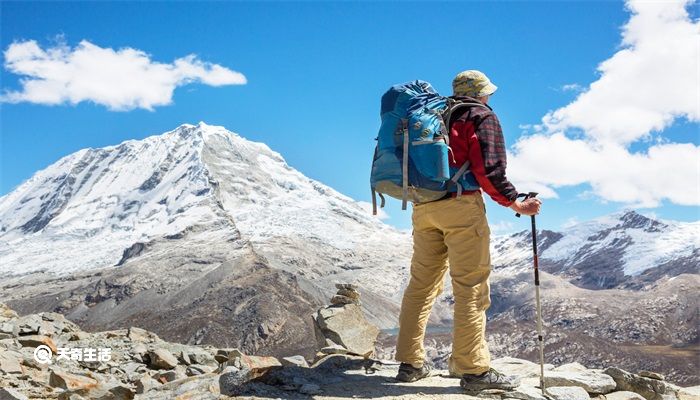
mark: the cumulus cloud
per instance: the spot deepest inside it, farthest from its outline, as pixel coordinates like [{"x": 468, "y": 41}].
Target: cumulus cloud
[
  {"x": 121, "y": 80},
  {"x": 648, "y": 84}
]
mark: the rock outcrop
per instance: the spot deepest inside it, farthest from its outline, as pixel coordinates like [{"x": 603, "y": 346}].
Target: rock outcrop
[{"x": 140, "y": 365}]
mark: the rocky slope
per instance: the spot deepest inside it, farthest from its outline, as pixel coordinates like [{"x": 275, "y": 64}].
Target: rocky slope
[
  {"x": 45, "y": 356},
  {"x": 635, "y": 330}
]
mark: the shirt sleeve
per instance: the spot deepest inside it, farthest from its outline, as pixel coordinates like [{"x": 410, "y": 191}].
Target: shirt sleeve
[{"x": 487, "y": 155}]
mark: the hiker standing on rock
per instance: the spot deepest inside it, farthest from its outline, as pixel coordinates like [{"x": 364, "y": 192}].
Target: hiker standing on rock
[{"x": 455, "y": 228}]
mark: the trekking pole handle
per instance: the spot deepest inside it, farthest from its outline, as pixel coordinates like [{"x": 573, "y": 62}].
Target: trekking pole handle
[{"x": 526, "y": 196}]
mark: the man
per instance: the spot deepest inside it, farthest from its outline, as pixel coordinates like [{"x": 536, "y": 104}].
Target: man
[{"x": 455, "y": 229}]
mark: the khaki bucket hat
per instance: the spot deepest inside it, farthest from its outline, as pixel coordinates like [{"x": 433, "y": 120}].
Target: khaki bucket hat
[{"x": 472, "y": 83}]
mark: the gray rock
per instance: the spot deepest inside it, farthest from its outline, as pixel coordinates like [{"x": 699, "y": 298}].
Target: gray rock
[
  {"x": 567, "y": 393},
  {"x": 298, "y": 361},
  {"x": 146, "y": 383},
  {"x": 71, "y": 382},
  {"x": 650, "y": 389},
  {"x": 200, "y": 356},
  {"x": 623, "y": 395},
  {"x": 115, "y": 391},
  {"x": 9, "y": 328},
  {"x": 10, "y": 362},
  {"x": 29, "y": 324},
  {"x": 652, "y": 375},
  {"x": 171, "y": 375},
  {"x": 161, "y": 359},
  {"x": 518, "y": 367},
  {"x": 232, "y": 381},
  {"x": 570, "y": 367},
  {"x": 347, "y": 286},
  {"x": 36, "y": 341},
  {"x": 338, "y": 299},
  {"x": 524, "y": 392},
  {"x": 592, "y": 382},
  {"x": 353, "y": 294},
  {"x": 689, "y": 393},
  {"x": 334, "y": 349},
  {"x": 70, "y": 396},
  {"x": 347, "y": 327},
  {"x": 491, "y": 394},
  {"x": 11, "y": 394},
  {"x": 185, "y": 357},
  {"x": 141, "y": 335}
]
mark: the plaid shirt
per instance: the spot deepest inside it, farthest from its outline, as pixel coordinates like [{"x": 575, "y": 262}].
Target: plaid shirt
[{"x": 480, "y": 141}]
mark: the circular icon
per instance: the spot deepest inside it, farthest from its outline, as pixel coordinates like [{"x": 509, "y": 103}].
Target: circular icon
[{"x": 43, "y": 354}]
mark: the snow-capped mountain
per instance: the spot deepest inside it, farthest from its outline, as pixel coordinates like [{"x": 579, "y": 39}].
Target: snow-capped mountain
[
  {"x": 606, "y": 252},
  {"x": 108, "y": 199},
  {"x": 198, "y": 233}
]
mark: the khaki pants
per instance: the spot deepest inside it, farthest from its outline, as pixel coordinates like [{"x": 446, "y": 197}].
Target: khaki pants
[{"x": 456, "y": 230}]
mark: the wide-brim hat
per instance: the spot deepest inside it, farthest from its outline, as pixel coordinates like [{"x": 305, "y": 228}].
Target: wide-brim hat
[{"x": 472, "y": 83}]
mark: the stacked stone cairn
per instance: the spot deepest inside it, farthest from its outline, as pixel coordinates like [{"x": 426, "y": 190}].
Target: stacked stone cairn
[{"x": 341, "y": 328}]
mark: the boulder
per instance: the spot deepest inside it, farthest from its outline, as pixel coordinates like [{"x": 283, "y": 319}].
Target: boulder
[
  {"x": 6, "y": 313},
  {"x": 10, "y": 363},
  {"x": 36, "y": 341},
  {"x": 567, "y": 393},
  {"x": 9, "y": 328},
  {"x": 232, "y": 381},
  {"x": 524, "y": 392},
  {"x": 71, "y": 382},
  {"x": 141, "y": 335},
  {"x": 197, "y": 369},
  {"x": 652, "y": 375},
  {"x": 347, "y": 327},
  {"x": 161, "y": 359},
  {"x": 11, "y": 394},
  {"x": 623, "y": 395},
  {"x": 650, "y": 389},
  {"x": 170, "y": 375},
  {"x": 29, "y": 324},
  {"x": 145, "y": 383},
  {"x": 298, "y": 361},
  {"x": 258, "y": 365},
  {"x": 518, "y": 367},
  {"x": 591, "y": 381},
  {"x": 689, "y": 393}
]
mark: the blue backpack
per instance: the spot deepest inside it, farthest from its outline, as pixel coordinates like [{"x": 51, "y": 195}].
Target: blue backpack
[{"x": 411, "y": 160}]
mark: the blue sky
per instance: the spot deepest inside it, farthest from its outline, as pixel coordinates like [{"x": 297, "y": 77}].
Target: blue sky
[{"x": 315, "y": 73}]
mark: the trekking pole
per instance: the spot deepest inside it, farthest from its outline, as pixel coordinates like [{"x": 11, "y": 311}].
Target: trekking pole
[{"x": 540, "y": 338}]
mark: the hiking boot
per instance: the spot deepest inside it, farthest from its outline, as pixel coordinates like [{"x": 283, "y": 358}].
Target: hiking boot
[
  {"x": 490, "y": 379},
  {"x": 409, "y": 373}
]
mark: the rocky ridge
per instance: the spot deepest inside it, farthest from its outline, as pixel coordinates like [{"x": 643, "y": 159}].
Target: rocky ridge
[{"x": 143, "y": 366}]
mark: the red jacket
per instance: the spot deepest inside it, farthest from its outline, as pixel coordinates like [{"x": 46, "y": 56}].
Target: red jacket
[{"x": 476, "y": 136}]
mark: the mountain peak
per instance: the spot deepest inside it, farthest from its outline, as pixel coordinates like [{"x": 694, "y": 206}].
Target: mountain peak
[{"x": 631, "y": 219}]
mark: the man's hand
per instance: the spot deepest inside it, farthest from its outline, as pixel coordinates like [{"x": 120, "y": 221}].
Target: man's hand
[{"x": 527, "y": 207}]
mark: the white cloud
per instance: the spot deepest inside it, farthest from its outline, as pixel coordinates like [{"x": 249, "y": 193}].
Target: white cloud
[
  {"x": 648, "y": 84},
  {"x": 121, "y": 80},
  {"x": 572, "y": 87},
  {"x": 502, "y": 227},
  {"x": 570, "y": 222},
  {"x": 643, "y": 87}
]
